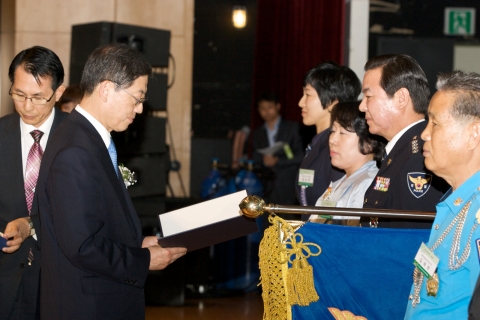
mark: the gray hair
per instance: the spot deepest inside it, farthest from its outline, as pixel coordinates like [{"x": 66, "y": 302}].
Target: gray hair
[{"x": 466, "y": 87}]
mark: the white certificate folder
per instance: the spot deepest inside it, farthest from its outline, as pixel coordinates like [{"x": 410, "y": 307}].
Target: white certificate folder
[{"x": 206, "y": 223}]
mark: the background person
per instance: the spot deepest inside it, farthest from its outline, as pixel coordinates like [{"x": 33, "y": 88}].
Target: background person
[
  {"x": 95, "y": 260},
  {"x": 356, "y": 151},
  {"x": 36, "y": 75},
  {"x": 452, "y": 151},
  {"x": 285, "y": 162},
  {"x": 323, "y": 87},
  {"x": 70, "y": 98}
]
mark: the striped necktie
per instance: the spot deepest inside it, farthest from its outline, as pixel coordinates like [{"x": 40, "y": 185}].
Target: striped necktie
[{"x": 33, "y": 167}]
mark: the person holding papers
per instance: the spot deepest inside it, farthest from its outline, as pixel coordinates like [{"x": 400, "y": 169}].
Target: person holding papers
[
  {"x": 323, "y": 87},
  {"x": 447, "y": 266},
  {"x": 95, "y": 260},
  {"x": 277, "y": 146},
  {"x": 356, "y": 151}
]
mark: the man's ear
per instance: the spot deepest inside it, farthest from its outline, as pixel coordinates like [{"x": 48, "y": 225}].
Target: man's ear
[
  {"x": 104, "y": 89},
  {"x": 474, "y": 140},
  {"x": 59, "y": 92},
  {"x": 402, "y": 98}
]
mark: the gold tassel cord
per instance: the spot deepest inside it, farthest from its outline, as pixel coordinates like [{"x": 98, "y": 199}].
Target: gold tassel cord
[
  {"x": 300, "y": 285},
  {"x": 283, "y": 287}
]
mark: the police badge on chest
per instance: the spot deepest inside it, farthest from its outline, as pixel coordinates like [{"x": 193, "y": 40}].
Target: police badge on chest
[{"x": 418, "y": 183}]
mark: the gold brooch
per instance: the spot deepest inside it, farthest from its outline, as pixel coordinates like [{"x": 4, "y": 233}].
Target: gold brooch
[{"x": 458, "y": 201}]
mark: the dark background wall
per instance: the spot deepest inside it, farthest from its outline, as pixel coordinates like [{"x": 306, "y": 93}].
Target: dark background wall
[
  {"x": 222, "y": 68},
  {"x": 427, "y": 43}
]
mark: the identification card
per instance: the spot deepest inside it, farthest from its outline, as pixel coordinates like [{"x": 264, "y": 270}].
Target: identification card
[
  {"x": 328, "y": 203},
  {"x": 426, "y": 261},
  {"x": 288, "y": 151},
  {"x": 305, "y": 177}
]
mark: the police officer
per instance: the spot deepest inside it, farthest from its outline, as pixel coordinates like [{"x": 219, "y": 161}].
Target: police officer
[{"x": 395, "y": 103}]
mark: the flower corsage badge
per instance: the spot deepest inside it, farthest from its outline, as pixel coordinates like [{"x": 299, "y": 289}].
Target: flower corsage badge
[{"x": 127, "y": 175}]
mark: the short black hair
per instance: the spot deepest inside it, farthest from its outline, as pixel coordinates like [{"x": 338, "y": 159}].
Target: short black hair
[
  {"x": 402, "y": 71},
  {"x": 40, "y": 62},
  {"x": 268, "y": 96},
  {"x": 115, "y": 62},
  {"x": 349, "y": 116},
  {"x": 333, "y": 82}
]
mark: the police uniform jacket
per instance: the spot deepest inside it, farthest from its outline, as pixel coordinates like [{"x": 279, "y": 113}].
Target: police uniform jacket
[
  {"x": 317, "y": 158},
  {"x": 403, "y": 183}
]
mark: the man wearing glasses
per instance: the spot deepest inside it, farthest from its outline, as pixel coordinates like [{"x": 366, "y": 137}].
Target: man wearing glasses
[
  {"x": 94, "y": 258},
  {"x": 36, "y": 75}
]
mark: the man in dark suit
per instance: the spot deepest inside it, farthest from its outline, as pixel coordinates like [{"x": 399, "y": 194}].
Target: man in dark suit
[
  {"x": 284, "y": 162},
  {"x": 95, "y": 260},
  {"x": 36, "y": 75},
  {"x": 395, "y": 103}
]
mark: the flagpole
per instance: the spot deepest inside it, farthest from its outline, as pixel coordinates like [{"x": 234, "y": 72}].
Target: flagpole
[{"x": 253, "y": 207}]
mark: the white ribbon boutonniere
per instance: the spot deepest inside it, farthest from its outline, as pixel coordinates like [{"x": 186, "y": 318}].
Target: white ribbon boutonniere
[{"x": 127, "y": 175}]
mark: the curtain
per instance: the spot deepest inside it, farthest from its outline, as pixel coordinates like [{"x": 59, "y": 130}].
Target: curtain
[{"x": 292, "y": 37}]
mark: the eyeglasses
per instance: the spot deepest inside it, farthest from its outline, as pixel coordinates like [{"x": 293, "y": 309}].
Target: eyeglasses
[
  {"x": 137, "y": 101},
  {"x": 35, "y": 100}
]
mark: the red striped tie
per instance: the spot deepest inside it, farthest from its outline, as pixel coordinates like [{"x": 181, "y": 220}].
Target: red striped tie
[{"x": 33, "y": 166}]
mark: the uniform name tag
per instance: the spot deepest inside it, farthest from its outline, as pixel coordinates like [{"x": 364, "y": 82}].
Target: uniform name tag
[
  {"x": 328, "y": 203},
  {"x": 305, "y": 177},
  {"x": 426, "y": 261}
]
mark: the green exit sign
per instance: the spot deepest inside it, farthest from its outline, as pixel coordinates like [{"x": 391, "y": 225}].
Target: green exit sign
[{"x": 459, "y": 21}]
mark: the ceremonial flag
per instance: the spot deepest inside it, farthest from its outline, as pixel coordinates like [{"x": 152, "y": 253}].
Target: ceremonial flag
[{"x": 365, "y": 271}]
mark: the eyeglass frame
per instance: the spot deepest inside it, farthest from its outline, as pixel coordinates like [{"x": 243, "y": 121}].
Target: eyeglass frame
[
  {"x": 137, "y": 101},
  {"x": 31, "y": 99}
]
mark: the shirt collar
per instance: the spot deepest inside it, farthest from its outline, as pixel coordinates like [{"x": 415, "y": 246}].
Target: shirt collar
[
  {"x": 102, "y": 131},
  {"x": 397, "y": 137},
  {"x": 275, "y": 126},
  {"x": 458, "y": 197}
]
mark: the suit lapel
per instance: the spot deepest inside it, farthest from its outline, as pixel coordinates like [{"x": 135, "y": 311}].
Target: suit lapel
[
  {"x": 12, "y": 161},
  {"x": 103, "y": 158}
]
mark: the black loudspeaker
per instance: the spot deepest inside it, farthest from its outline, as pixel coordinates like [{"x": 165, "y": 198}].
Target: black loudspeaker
[
  {"x": 151, "y": 174},
  {"x": 153, "y": 43},
  {"x": 425, "y": 51},
  {"x": 145, "y": 135}
]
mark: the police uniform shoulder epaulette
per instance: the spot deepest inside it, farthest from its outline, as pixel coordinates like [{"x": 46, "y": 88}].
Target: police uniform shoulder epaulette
[{"x": 415, "y": 147}]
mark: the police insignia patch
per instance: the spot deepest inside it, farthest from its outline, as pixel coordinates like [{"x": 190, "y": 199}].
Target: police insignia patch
[
  {"x": 381, "y": 184},
  {"x": 418, "y": 183}
]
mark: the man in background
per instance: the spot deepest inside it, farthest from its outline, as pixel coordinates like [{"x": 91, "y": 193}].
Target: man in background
[
  {"x": 36, "y": 75},
  {"x": 285, "y": 154}
]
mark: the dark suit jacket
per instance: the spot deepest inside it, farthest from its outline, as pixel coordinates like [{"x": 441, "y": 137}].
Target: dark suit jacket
[
  {"x": 404, "y": 160},
  {"x": 318, "y": 159},
  {"x": 13, "y": 206},
  {"x": 93, "y": 266},
  {"x": 282, "y": 190}
]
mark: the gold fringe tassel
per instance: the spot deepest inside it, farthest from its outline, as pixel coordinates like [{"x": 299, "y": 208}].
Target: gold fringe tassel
[{"x": 283, "y": 288}]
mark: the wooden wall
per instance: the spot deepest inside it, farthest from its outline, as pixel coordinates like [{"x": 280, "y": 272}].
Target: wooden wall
[{"x": 25, "y": 23}]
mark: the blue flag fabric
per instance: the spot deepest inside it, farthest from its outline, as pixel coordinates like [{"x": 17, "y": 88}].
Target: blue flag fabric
[{"x": 366, "y": 271}]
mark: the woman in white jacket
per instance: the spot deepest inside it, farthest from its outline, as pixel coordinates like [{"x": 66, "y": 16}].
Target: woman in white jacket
[{"x": 356, "y": 151}]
